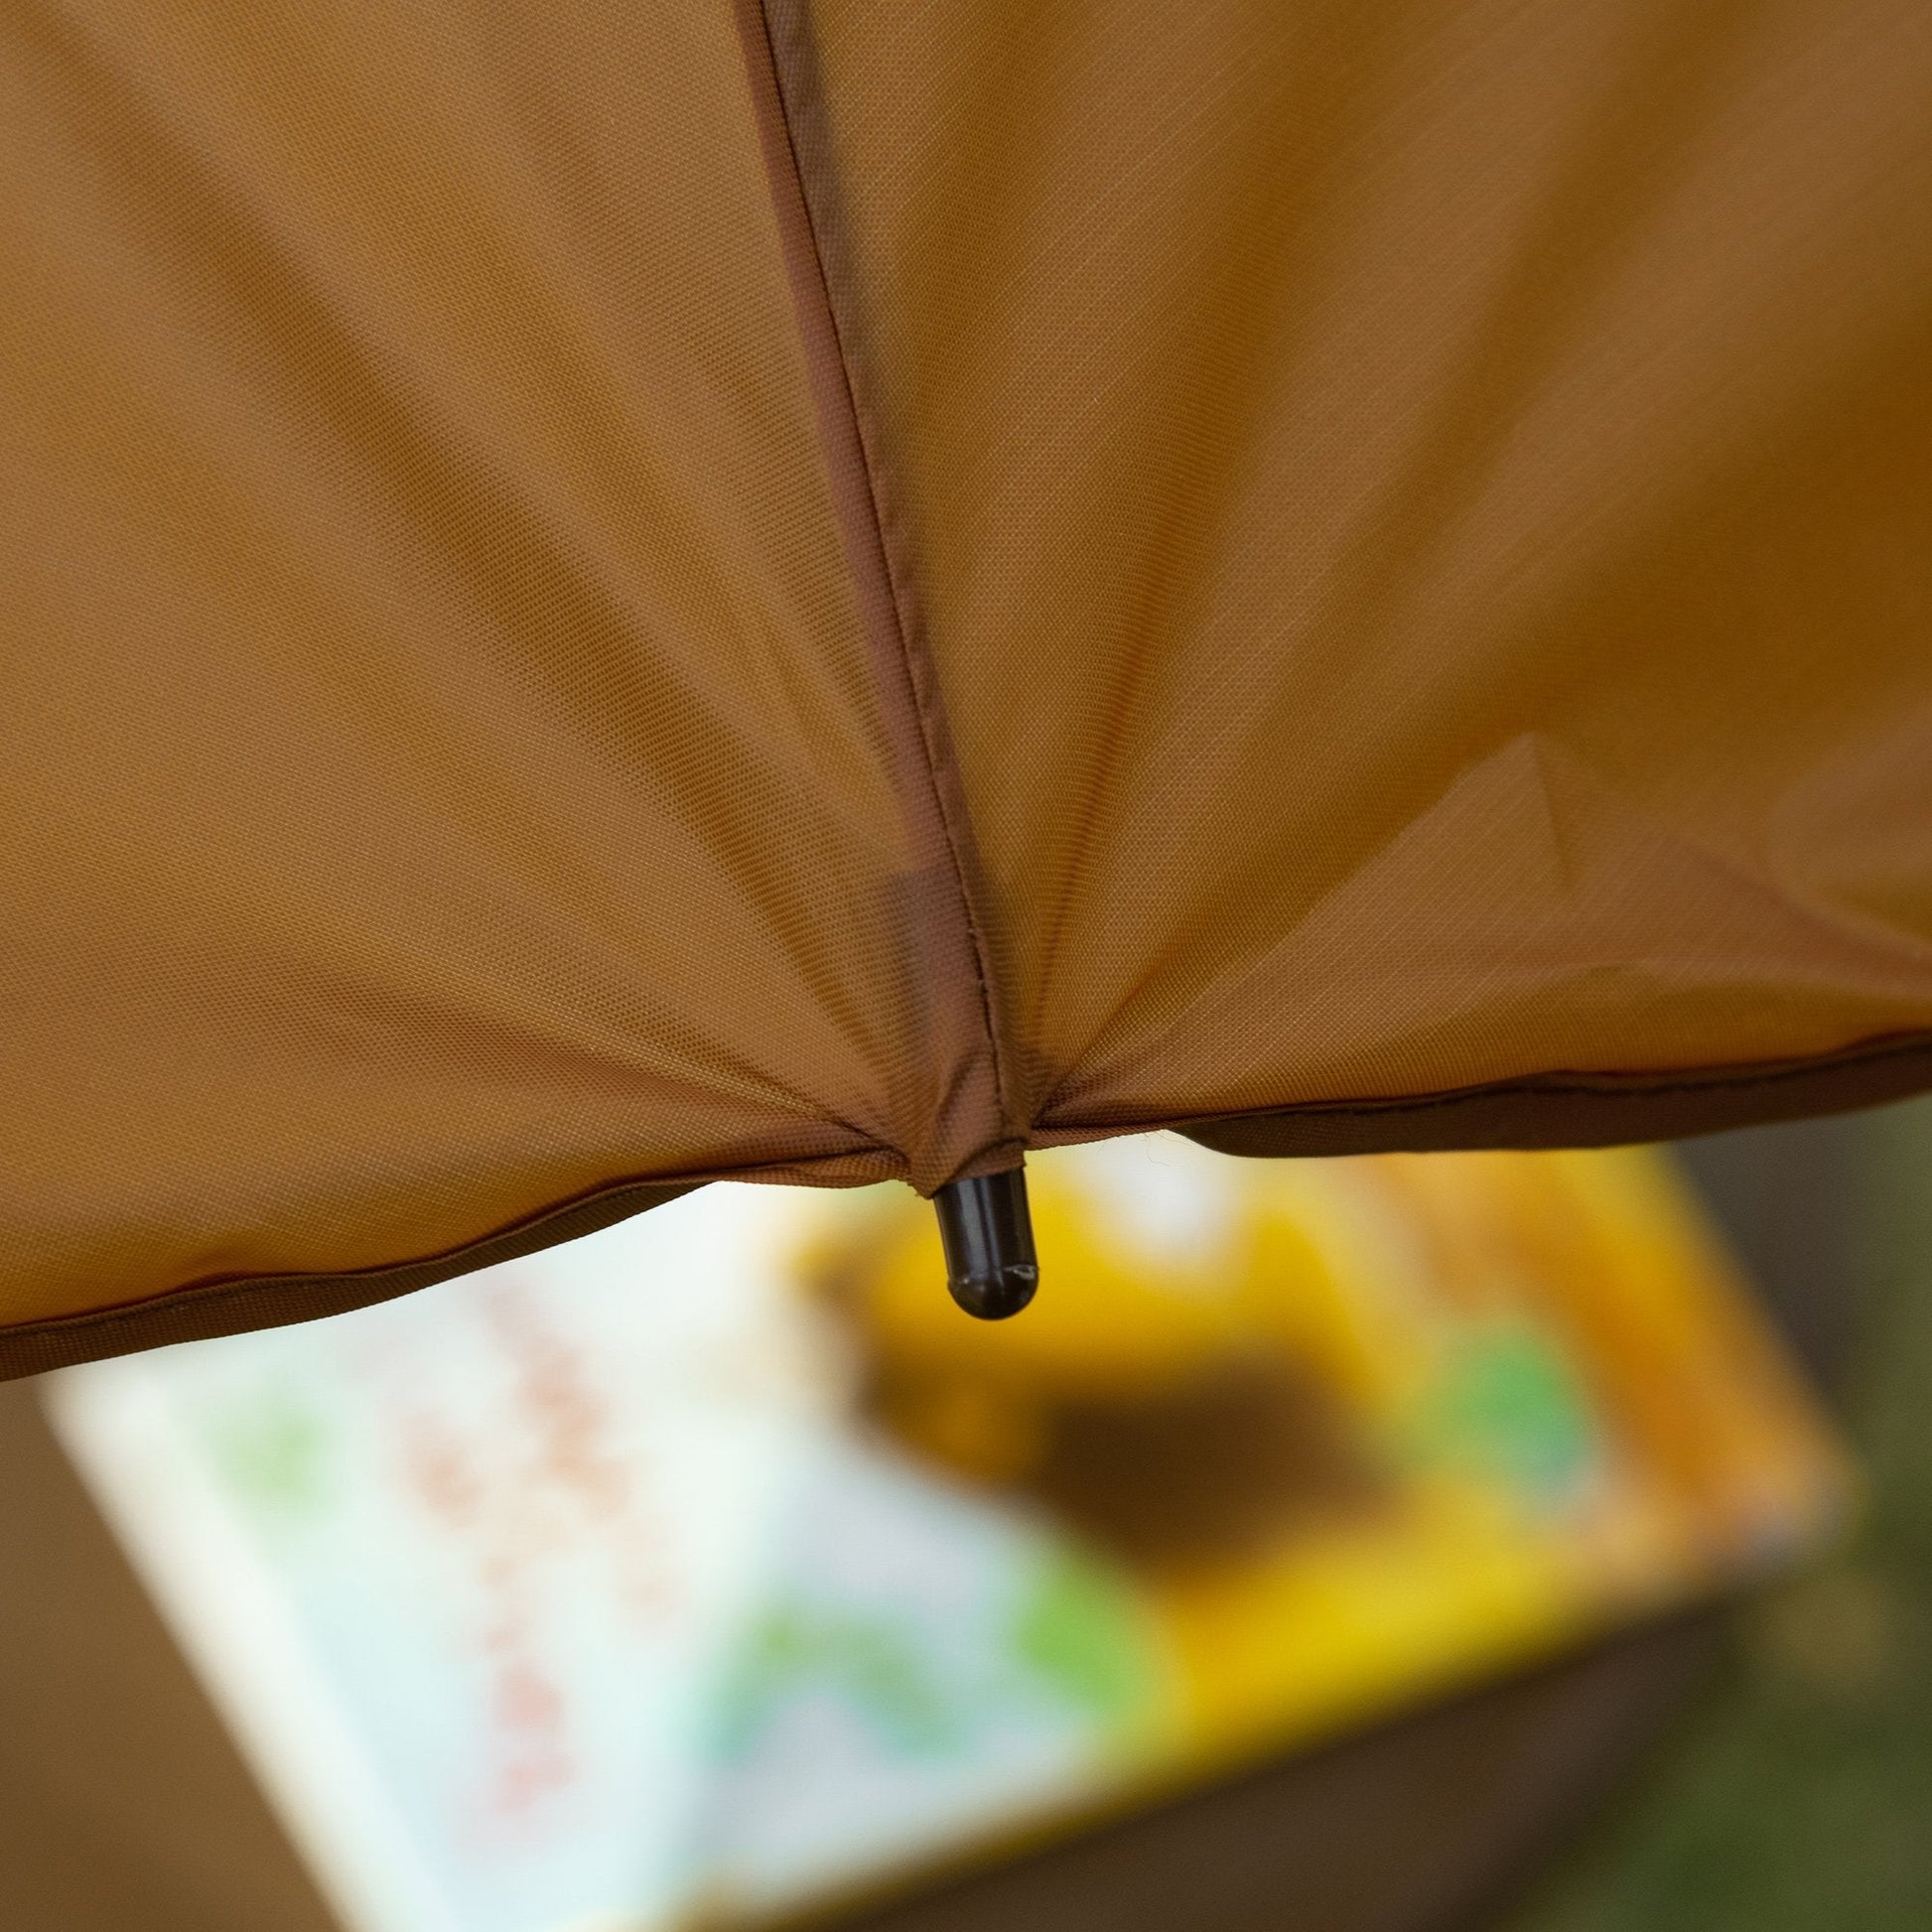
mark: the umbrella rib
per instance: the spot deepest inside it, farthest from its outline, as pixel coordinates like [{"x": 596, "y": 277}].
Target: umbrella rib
[{"x": 977, "y": 1131}]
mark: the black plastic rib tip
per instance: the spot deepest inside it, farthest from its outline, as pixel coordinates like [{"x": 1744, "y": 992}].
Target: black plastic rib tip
[{"x": 989, "y": 1240}]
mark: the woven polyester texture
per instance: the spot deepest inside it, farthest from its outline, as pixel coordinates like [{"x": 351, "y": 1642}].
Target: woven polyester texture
[
  {"x": 601, "y": 595},
  {"x": 1424, "y": 515}
]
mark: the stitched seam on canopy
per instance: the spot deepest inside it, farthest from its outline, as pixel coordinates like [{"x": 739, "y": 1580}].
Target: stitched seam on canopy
[
  {"x": 180, "y": 1312},
  {"x": 1739, "y": 1076},
  {"x": 197, "y": 1311},
  {"x": 931, "y": 789},
  {"x": 1868, "y": 1073}
]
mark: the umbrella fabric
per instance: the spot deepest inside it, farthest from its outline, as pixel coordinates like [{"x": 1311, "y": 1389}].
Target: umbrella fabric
[{"x": 600, "y": 597}]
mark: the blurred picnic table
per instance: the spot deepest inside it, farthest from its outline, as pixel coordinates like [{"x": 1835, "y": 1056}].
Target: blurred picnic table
[{"x": 123, "y": 1807}]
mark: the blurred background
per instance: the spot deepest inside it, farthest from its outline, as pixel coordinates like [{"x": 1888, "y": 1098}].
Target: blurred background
[
  {"x": 1760, "y": 1761},
  {"x": 1794, "y": 1791}
]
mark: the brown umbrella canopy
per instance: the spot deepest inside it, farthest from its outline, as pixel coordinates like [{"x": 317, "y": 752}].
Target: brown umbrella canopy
[{"x": 605, "y": 595}]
